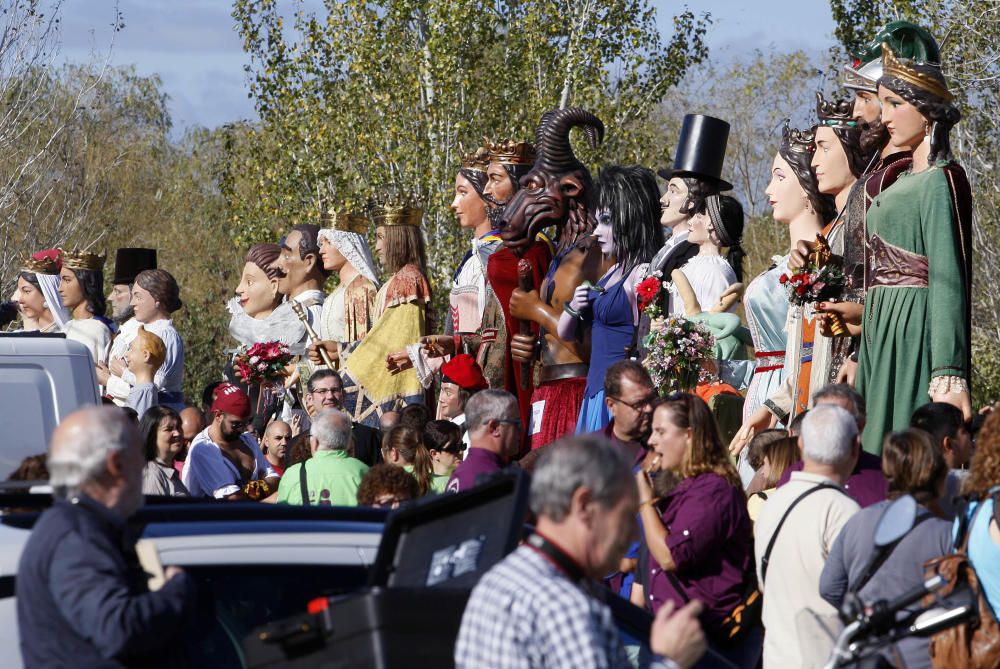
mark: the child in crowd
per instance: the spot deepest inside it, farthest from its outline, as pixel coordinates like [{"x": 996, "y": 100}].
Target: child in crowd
[{"x": 144, "y": 356}]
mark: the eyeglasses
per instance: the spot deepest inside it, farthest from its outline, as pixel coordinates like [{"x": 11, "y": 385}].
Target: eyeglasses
[
  {"x": 326, "y": 391},
  {"x": 639, "y": 404},
  {"x": 516, "y": 422}
]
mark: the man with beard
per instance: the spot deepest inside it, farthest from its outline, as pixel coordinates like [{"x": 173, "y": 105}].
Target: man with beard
[
  {"x": 911, "y": 41},
  {"x": 129, "y": 263},
  {"x": 224, "y": 460}
]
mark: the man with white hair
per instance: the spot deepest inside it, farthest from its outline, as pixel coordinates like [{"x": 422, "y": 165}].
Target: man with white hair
[
  {"x": 82, "y": 596},
  {"x": 794, "y": 533},
  {"x": 493, "y": 421},
  {"x": 331, "y": 477},
  {"x": 539, "y": 606}
]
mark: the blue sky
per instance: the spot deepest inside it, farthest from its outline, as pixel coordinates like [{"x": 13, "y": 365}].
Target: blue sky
[{"x": 192, "y": 45}]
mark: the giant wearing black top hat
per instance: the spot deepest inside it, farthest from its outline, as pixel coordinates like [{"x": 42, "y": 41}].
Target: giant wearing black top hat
[
  {"x": 701, "y": 150},
  {"x": 130, "y": 262}
]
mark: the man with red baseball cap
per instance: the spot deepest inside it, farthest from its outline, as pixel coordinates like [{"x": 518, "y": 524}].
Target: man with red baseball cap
[{"x": 224, "y": 461}]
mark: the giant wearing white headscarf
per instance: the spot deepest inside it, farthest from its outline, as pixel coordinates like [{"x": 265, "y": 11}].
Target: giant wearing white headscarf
[
  {"x": 41, "y": 271},
  {"x": 347, "y": 312}
]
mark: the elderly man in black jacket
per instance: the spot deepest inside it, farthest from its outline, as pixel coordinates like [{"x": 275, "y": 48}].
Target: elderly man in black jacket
[{"x": 82, "y": 597}]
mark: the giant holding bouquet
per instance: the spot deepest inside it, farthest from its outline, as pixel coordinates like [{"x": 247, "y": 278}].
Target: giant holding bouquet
[
  {"x": 678, "y": 347},
  {"x": 263, "y": 363}
]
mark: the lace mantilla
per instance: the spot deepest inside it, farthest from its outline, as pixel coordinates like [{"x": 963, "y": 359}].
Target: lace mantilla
[{"x": 355, "y": 249}]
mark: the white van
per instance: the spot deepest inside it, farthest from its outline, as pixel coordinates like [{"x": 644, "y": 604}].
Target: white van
[{"x": 43, "y": 378}]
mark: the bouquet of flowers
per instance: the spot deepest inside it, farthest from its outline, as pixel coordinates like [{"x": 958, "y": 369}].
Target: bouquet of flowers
[
  {"x": 678, "y": 349},
  {"x": 813, "y": 284},
  {"x": 647, "y": 295},
  {"x": 263, "y": 363}
]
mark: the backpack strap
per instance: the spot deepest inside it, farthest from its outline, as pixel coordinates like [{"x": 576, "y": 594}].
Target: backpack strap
[
  {"x": 770, "y": 544},
  {"x": 877, "y": 563},
  {"x": 302, "y": 483}
]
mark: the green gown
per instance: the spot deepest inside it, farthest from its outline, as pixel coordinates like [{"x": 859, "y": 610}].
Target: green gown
[{"x": 915, "y": 310}]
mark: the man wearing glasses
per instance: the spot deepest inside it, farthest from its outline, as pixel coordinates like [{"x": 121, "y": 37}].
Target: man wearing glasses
[
  {"x": 325, "y": 391},
  {"x": 224, "y": 460},
  {"x": 629, "y": 394},
  {"x": 493, "y": 419}
]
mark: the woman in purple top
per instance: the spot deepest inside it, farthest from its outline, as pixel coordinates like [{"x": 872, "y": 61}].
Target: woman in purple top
[{"x": 698, "y": 534}]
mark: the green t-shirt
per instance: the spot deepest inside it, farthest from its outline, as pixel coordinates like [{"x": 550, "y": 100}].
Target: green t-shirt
[
  {"x": 332, "y": 479},
  {"x": 439, "y": 483}
]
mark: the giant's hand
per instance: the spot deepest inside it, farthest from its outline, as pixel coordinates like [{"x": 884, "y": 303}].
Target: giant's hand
[
  {"x": 848, "y": 373},
  {"x": 849, "y": 313},
  {"x": 398, "y": 362},
  {"x": 960, "y": 400},
  {"x": 799, "y": 256},
  {"x": 329, "y": 346},
  {"x": 759, "y": 420},
  {"x": 438, "y": 346},
  {"x": 117, "y": 366},
  {"x": 524, "y": 304},
  {"x": 522, "y": 348},
  {"x": 581, "y": 297}
]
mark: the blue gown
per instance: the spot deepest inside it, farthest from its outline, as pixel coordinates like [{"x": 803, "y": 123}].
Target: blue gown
[{"x": 611, "y": 334}]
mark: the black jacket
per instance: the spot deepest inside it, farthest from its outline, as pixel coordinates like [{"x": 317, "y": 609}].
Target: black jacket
[{"x": 82, "y": 597}]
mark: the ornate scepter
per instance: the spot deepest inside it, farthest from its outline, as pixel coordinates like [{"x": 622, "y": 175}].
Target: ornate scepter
[
  {"x": 526, "y": 282},
  {"x": 313, "y": 337}
]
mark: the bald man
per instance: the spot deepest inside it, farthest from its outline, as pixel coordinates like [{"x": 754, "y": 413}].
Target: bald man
[
  {"x": 275, "y": 444},
  {"x": 192, "y": 422},
  {"x": 82, "y": 596}
]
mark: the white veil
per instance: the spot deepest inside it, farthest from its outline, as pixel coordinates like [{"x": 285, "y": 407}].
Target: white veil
[
  {"x": 354, "y": 247},
  {"x": 49, "y": 283}
]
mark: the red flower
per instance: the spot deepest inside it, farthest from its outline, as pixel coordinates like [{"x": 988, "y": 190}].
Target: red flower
[
  {"x": 801, "y": 290},
  {"x": 783, "y": 279}
]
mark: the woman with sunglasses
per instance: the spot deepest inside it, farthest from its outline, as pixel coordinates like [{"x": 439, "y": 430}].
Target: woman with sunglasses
[
  {"x": 693, "y": 554},
  {"x": 443, "y": 440}
]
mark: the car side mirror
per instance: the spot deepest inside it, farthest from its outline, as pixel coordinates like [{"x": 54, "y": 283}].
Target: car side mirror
[{"x": 896, "y": 521}]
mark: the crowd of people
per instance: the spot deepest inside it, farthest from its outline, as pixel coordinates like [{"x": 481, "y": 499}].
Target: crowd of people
[{"x": 847, "y": 403}]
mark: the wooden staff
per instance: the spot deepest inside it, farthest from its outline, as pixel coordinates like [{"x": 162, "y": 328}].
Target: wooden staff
[
  {"x": 313, "y": 337},
  {"x": 526, "y": 282}
]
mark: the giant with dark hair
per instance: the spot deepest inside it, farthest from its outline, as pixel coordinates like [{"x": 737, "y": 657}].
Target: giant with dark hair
[
  {"x": 698, "y": 190},
  {"x": 264, "y": 256},
  {"x": 92, "y": 287},
  {"x": 631, "y": 197},
  {"x": 940, "y": 113},
  {"x": 797, "y": 149},
  {"x": 838, "y": 115}
]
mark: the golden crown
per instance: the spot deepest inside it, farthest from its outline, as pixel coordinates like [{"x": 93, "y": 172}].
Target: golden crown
[
  {"x": 393, "y": 212},
  {"x": 904, "y": 70},
  {"x": 345, "y": 222},
  {"x": 85, "y": 260},
  {"x": 40, "y": 264},
  {"x": 835, "y": 113},
  {"x": 798, "y": 141},
  {"x": 478, "y": 160},
  {"x": 510, "y": 152}
]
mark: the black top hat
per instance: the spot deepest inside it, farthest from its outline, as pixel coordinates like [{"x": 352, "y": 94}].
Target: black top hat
[
  {"x": 701, "y": 150},
  {"x": 130, "y": 262}
]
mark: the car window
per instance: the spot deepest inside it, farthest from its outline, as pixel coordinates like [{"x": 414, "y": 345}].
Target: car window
[{"x": 245, "y": 597}]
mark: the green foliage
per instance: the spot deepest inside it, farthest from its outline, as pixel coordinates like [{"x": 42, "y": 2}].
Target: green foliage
[{"x": 376, "y": 97}]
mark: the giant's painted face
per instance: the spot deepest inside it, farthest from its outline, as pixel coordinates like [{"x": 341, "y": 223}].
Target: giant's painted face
[
  {"x": 545, "y": 199},
  {"x": 556, "y": 192}
]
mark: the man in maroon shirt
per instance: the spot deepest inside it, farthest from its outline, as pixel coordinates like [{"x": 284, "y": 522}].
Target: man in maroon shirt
[
  {"x": 493, "y": 419},
  {"x": 866, "y": 484}
]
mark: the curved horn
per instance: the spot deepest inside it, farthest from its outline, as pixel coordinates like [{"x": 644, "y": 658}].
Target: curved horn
[{"x": 552, "y": 137}]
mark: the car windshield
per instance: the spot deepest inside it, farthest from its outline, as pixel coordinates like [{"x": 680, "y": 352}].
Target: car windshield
[{"x": 248, "y": 596}]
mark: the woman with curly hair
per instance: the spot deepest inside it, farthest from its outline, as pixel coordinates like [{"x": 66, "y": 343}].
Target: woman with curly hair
[
  {"x": 982, "y": 486},
  {"x": 916, "y": 324},
  {"x": 693, "y": 554},
  {"x": 387, "y": 487}
]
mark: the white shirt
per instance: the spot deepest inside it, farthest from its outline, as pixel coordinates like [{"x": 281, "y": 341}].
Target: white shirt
[
  {"x": 208, "y": 473},
  {"x": 709, "y": 277},
  {"x": 168, "y": 378},
  {"x": 332, "y": 320},
  {"x": 792, "y": 603},
  {"x": 93, "y": 334}
]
